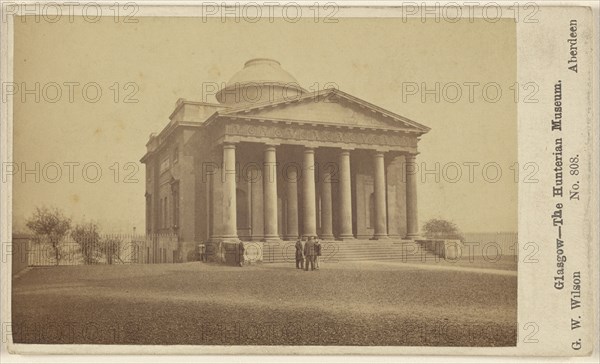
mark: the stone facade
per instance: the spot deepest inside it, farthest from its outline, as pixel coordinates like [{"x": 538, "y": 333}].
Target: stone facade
[{"x": 314, "y": 163}]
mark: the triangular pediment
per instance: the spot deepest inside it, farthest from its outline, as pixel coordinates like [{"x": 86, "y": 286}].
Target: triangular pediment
[{"x": 330, "y": 107}]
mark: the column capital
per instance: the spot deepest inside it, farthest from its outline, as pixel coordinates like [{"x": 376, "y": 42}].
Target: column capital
[
  {"x": 411, "y": 155},
  {"x": 379, "y": 150},
  {"x": 229, "y": 145},
  {"x": 410, "y": 158},
  {"x": 308, "y": 149},
  {"x": 311, "y": 145}
]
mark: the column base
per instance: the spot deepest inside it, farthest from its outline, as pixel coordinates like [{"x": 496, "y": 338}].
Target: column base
[
  {"x": 379, "y": 237},
  {"x": 271, "y": 239},
  {"x": 327, "y": 237},
  {"x": 291, "y": 237},
  {"x": 345, "y": 237},
  {"x": 413, "y": 236},
  {"x": 229, "y": 239},
  {"x": 225, "y": 238}
]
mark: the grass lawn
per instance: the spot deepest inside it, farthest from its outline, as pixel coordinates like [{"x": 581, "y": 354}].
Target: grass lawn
[{"x": 366, "y": 303}]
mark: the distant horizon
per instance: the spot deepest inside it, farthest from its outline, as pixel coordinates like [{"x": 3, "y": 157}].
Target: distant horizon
[{"x": 21, "y": 228}]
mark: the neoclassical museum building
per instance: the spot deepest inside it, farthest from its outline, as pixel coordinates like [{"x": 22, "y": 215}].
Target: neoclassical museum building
[{"x": 272, "y": 161}]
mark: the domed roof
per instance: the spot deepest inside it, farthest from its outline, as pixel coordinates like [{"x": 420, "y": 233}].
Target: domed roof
[{"x": 261, "y": 71}]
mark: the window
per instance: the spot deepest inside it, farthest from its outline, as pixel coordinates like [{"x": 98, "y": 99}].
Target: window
[{"x": 175, "y": 155}]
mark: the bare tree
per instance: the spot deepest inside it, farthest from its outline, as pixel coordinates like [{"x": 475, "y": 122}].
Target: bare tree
[
  {"x": 88, "y": 239},
  {"x": 49, "y": 225}
]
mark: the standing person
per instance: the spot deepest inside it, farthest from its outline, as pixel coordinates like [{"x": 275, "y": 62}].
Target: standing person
[
  {"x": 299, "y": 254},
  {"x": 317, "y": 252},
  {"x": 202, "y": 251},
  {"x": 240, "y": 253},
  {"x": 309, "y": 253}
]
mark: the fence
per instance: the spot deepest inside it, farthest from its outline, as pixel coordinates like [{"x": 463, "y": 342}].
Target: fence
[
  {"x": 106, "y": 249},
  {"x": 505, "y": 243},
  {"x": 166, "y": 248},
  {"x": 18, "y": 252}
]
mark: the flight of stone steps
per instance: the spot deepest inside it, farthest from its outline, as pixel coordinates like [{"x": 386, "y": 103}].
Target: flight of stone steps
[{"x": 353, "y": 250}]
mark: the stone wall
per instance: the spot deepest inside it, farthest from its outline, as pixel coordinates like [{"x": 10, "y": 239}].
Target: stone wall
[
  {"x": 444, "y": 248},
  {"x": 490, "y": 246},
  {"x": 227, "y": 252}
]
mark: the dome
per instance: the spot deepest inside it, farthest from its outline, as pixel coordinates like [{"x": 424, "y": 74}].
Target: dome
[{"x": 261, "y": 80}]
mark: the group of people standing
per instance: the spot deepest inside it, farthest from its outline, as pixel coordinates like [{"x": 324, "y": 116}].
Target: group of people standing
[{"x": 308, "y": 251}]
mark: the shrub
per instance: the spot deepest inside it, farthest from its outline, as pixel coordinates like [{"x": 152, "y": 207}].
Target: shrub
[{"x": 442, "y": 229}]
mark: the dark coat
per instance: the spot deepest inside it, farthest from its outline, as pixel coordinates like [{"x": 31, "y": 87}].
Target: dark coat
[
  {"x": 299, "y": 253},
  {"x": 309, "y": 248}
]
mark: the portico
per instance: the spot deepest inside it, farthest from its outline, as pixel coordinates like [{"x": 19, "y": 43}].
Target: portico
[
  {"x": 273, "y": 161},
  {"x": 335, "y": 182}
]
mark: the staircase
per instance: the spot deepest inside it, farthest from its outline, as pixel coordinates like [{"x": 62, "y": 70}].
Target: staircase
[{"x": 353, "y": 250}]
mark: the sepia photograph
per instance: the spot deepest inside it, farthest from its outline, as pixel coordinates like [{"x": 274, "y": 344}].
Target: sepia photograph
[{"x": 227, "y": 177}]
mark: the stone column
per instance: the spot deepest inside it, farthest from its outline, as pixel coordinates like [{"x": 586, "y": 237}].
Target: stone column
[
  {"x": 270, "y": 193},
  {"x": 412, "y": 223},
  {"x": 396, "y": 197},
  {"x": 380, "y": 208},
  {"x": 229, "y": 192},
  {"x": 345, "y": 196},
  {"x": 308, "y": 194},
  {"x": 326, "y": 208},
  {"x": 256, "y": 199},
  {"x": 292, "y": 203}
]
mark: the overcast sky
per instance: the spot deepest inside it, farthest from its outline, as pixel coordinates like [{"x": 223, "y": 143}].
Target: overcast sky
[{"x": 169, "y": 58}]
